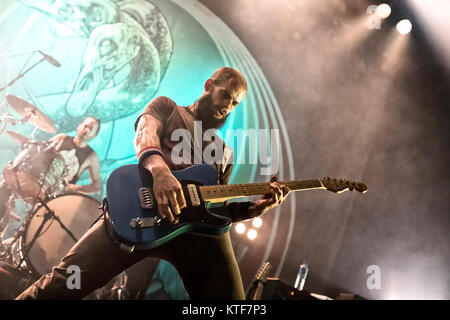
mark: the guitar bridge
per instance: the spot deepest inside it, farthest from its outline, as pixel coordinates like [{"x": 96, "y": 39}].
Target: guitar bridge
[
  {"x": 193, "y": 195},
  {"x": 146, "y": 198}
]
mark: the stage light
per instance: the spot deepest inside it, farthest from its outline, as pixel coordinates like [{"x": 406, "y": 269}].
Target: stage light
[
  {"x": 240, "y": 228},
  {"x": 383, "y": 10},
  {"x": 252, "y": 234},
  {"x": 404, "y": 26},
  {"x": 257, "y": 222}
]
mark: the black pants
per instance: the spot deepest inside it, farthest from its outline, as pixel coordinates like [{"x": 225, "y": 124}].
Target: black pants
[{"x": 206, "y": 265}]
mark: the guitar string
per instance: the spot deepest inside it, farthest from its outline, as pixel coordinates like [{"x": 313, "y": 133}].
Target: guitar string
[{"x": 222, "y": 188}]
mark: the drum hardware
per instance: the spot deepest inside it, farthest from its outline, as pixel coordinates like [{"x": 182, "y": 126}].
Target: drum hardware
[
  {"x": 4, "y": 222},
  {"x": 38, "y": 171},
  {"x": 36, "y": 176},
  {"x": 7, "y": 120},
  {"x": 50, "y": 214},
  {"x": 38, "y": 188},
  {"x": 43, "y": 243},
  {"x": 39, "y": 244},
  {"x": 33, "y": 251},
  {"x": 9, "y": 246},
  {"x": 9, "y": 250},
  {"x": 22, "y": 140},
  {"x": 29, "y": 113}
]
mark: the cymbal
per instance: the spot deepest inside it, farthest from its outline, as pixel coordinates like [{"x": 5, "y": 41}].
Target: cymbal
[
  {"x": 17, "y": 137},
  {"x": 31, "y": 114}
]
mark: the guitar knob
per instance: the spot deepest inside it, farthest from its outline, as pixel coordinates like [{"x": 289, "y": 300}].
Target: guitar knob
[{"x": 157, "y": 220}]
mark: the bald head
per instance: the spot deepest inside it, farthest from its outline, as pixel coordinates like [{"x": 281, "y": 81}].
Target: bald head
[
  {"x": 223, "y": 92},
  {"x": 225, "y": 74}
]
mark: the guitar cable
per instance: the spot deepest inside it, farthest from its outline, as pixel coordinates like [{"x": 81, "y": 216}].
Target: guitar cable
[{"x": 110, "y": 234}]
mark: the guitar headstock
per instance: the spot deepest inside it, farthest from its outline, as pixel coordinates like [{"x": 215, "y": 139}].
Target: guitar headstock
[
  {"x": 338, "y": 185},
  {"x": 263, "y": 272}
]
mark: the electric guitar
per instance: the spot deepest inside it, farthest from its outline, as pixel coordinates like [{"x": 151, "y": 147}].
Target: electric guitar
[
  {"x": 256, "y": 290},
  {"x": 133, "y": 210}
]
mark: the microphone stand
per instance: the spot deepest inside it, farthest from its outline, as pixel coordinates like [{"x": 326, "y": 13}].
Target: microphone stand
[
  {"x": 8, "y": 118},
  {"x": 21, "y": 75}
]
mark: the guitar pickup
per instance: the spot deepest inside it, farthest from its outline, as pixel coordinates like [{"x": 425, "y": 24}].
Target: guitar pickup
[{"x": 146, "y": 198}]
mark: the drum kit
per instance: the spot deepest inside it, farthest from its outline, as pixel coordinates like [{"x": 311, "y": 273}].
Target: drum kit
[{"x": 54, "y": 220}]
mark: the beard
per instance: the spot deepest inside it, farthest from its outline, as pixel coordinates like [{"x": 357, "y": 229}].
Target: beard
[{"x": 206, "y": 112}]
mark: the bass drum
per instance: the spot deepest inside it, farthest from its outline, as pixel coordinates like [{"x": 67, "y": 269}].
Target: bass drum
[{"x": 47, "y": 237}]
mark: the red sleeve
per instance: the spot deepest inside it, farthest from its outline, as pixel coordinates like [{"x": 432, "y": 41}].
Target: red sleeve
[{"x": 159, "y": 108}]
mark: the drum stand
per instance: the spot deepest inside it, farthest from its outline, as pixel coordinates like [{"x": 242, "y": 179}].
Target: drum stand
[
  {"x": 8, "y": 118},
  {"x": 49, "y": 215},
  {"x": 4, "y": 222},
  {"x": 7, "y": 246},
  {"x": 15, "y": 243},
  {"x": 8, "y": 254}
]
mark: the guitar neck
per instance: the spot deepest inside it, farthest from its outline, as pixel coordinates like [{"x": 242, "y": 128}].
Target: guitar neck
[{"x": 219, "y": 193}]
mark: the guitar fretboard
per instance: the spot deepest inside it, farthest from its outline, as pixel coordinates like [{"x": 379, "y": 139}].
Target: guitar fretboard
[{"x": 222, "y": 192}]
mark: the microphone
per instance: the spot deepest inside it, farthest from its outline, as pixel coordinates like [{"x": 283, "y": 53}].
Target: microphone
[{"x": 50, "y": 59}]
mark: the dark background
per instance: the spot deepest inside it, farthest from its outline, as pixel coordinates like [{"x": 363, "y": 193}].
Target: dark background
[{"x": 362, "y": 104}]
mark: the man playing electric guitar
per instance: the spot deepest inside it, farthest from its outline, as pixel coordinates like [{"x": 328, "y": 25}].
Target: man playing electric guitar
[{"x": 205, "y": 263}]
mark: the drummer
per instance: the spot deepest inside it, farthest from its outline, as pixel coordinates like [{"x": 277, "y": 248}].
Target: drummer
[{"x": 78, "y": 156}]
